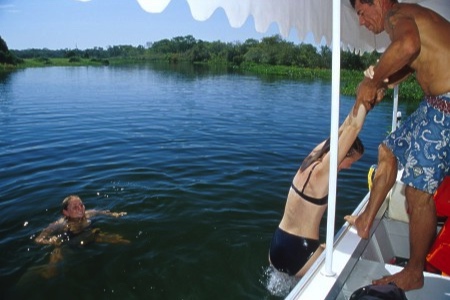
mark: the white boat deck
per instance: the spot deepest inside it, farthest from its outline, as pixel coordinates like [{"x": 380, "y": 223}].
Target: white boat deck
[{"x": 435, "y": 288}]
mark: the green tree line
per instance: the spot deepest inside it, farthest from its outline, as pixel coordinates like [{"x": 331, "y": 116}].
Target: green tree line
[{"x": 269, "y": 51}]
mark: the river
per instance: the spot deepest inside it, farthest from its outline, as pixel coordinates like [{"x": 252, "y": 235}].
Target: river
[{"x": 200, "y": 160}]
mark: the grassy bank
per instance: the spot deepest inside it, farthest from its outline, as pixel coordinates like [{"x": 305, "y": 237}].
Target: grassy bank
[
  {"x": 59, "y": 62},
  {"x": 410, "y": 90}
]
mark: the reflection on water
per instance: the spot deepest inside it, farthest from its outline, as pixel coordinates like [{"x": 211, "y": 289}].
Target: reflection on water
[{"x": 200, "y": 160}]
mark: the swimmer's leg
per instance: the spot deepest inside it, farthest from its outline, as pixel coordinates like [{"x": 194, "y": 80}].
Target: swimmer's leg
[
  {"x": 50, "y": 270},
  {"x": 110, "y": 238}
]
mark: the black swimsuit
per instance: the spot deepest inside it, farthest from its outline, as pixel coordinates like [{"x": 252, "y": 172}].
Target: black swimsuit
[
  {"x": 288, "y": 252},
  {"x": 81, "y": 236},
  {"x": 321, "y": 201}
]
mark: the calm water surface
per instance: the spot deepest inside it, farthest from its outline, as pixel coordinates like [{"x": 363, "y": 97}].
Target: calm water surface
[{"x": 201, "y": 162}]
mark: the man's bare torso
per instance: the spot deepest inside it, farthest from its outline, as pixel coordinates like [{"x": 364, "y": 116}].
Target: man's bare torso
[{"x": 432, "y": 65}]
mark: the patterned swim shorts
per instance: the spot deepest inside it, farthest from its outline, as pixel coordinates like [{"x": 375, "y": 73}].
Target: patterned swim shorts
[{"x": 422, "y": 145}]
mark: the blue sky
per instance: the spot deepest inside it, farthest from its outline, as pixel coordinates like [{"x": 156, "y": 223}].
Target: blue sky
[{"x": 60, "y": 24}]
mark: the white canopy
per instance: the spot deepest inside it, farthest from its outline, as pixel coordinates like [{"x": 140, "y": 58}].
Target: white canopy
[{"x": 305, "y": 16}]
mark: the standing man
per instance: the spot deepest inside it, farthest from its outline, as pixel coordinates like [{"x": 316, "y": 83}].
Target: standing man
[{"x": 420, "y": 44}]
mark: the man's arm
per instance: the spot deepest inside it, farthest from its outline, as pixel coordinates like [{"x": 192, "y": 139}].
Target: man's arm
[
  {"x": 399, "y": 76},
  {"x": 394, "y": 79}
]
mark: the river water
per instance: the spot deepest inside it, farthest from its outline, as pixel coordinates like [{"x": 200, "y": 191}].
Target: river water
[{"x": 200, "y": 160}]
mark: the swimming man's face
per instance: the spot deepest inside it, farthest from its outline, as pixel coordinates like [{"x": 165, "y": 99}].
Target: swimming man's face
[{"x": 75, "y": 209}]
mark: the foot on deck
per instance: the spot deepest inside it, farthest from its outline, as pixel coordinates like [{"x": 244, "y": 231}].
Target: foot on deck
[{"x": 405, "y": 279}]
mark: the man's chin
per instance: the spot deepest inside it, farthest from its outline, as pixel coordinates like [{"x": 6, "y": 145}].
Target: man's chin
[{"x": 374, "y": 31}]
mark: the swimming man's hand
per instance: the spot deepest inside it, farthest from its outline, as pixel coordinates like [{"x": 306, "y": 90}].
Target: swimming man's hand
[{"x": 118, "y": 214}]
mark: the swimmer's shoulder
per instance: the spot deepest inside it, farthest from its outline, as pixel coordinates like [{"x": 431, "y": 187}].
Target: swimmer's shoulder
[{"x": 58, "y": 225}]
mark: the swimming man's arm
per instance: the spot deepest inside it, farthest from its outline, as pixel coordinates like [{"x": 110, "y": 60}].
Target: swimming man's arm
[
  {"x": 47, "y": 236},
  {"x": 92, "y": 212}
]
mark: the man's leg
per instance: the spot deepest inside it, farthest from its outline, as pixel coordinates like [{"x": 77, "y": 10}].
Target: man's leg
[
  {"x": 422, "y": 230},
  {"x": 383, "y": 181}
]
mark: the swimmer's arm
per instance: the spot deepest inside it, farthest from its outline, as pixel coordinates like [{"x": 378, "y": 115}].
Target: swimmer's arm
[
  {"x": 92, "y": 212},
  {"x": 353, "y": 122},
  {"x": 348, "y": 132},
  {"x": 47, "y": 237}
]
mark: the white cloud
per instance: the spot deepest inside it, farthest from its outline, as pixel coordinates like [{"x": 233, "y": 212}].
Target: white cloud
[{"x": 8, "y": 8}]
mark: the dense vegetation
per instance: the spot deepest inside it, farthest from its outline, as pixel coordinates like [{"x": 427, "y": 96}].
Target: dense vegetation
[
  {"x": 6, "y": 57},
  {"x": 272, "y": 55},
  {"x": 269, "y": 51}
]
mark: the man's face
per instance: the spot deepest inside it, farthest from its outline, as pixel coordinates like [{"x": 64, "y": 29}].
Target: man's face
[
  {"x": 75, "y": 209},
  {"x": 370, "y": 16}
]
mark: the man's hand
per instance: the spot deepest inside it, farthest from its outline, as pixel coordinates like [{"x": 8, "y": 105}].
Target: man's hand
[
  {"x": 380, "y": 95},
  {"x": 367, "y": 94},
  {"x": 369, "y": 73}
]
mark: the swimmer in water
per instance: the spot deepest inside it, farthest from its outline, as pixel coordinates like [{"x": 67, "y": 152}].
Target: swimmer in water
[
  {"x": 77, "y": 221},
  {"x": 75, "y": 229}
]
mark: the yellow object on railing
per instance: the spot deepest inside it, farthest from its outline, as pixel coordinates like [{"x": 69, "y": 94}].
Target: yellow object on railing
[{"x": 371, "y": 175}]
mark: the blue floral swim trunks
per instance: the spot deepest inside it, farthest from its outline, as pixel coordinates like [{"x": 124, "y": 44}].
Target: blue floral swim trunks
[{"x": 422, "y": 144}]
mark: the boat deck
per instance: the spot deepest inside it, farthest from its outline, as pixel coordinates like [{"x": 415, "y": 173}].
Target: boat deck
[
  {"x": 436, "y": 287},
  {"x": 387, "y": 244}
]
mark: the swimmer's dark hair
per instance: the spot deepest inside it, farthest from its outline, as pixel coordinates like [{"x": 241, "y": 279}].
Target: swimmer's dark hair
[
  {"x": 66, "y": 201},
  {"x": 357, "y": 147}
]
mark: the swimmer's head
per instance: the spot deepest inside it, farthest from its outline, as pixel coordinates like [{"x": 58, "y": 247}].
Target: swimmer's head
[
  {"x": 353, "y": 155},
  {"x": 73, "y": 207}
]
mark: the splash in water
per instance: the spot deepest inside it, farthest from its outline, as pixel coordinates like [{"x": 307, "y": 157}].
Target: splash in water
[{"x": 277, "y": 283}]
